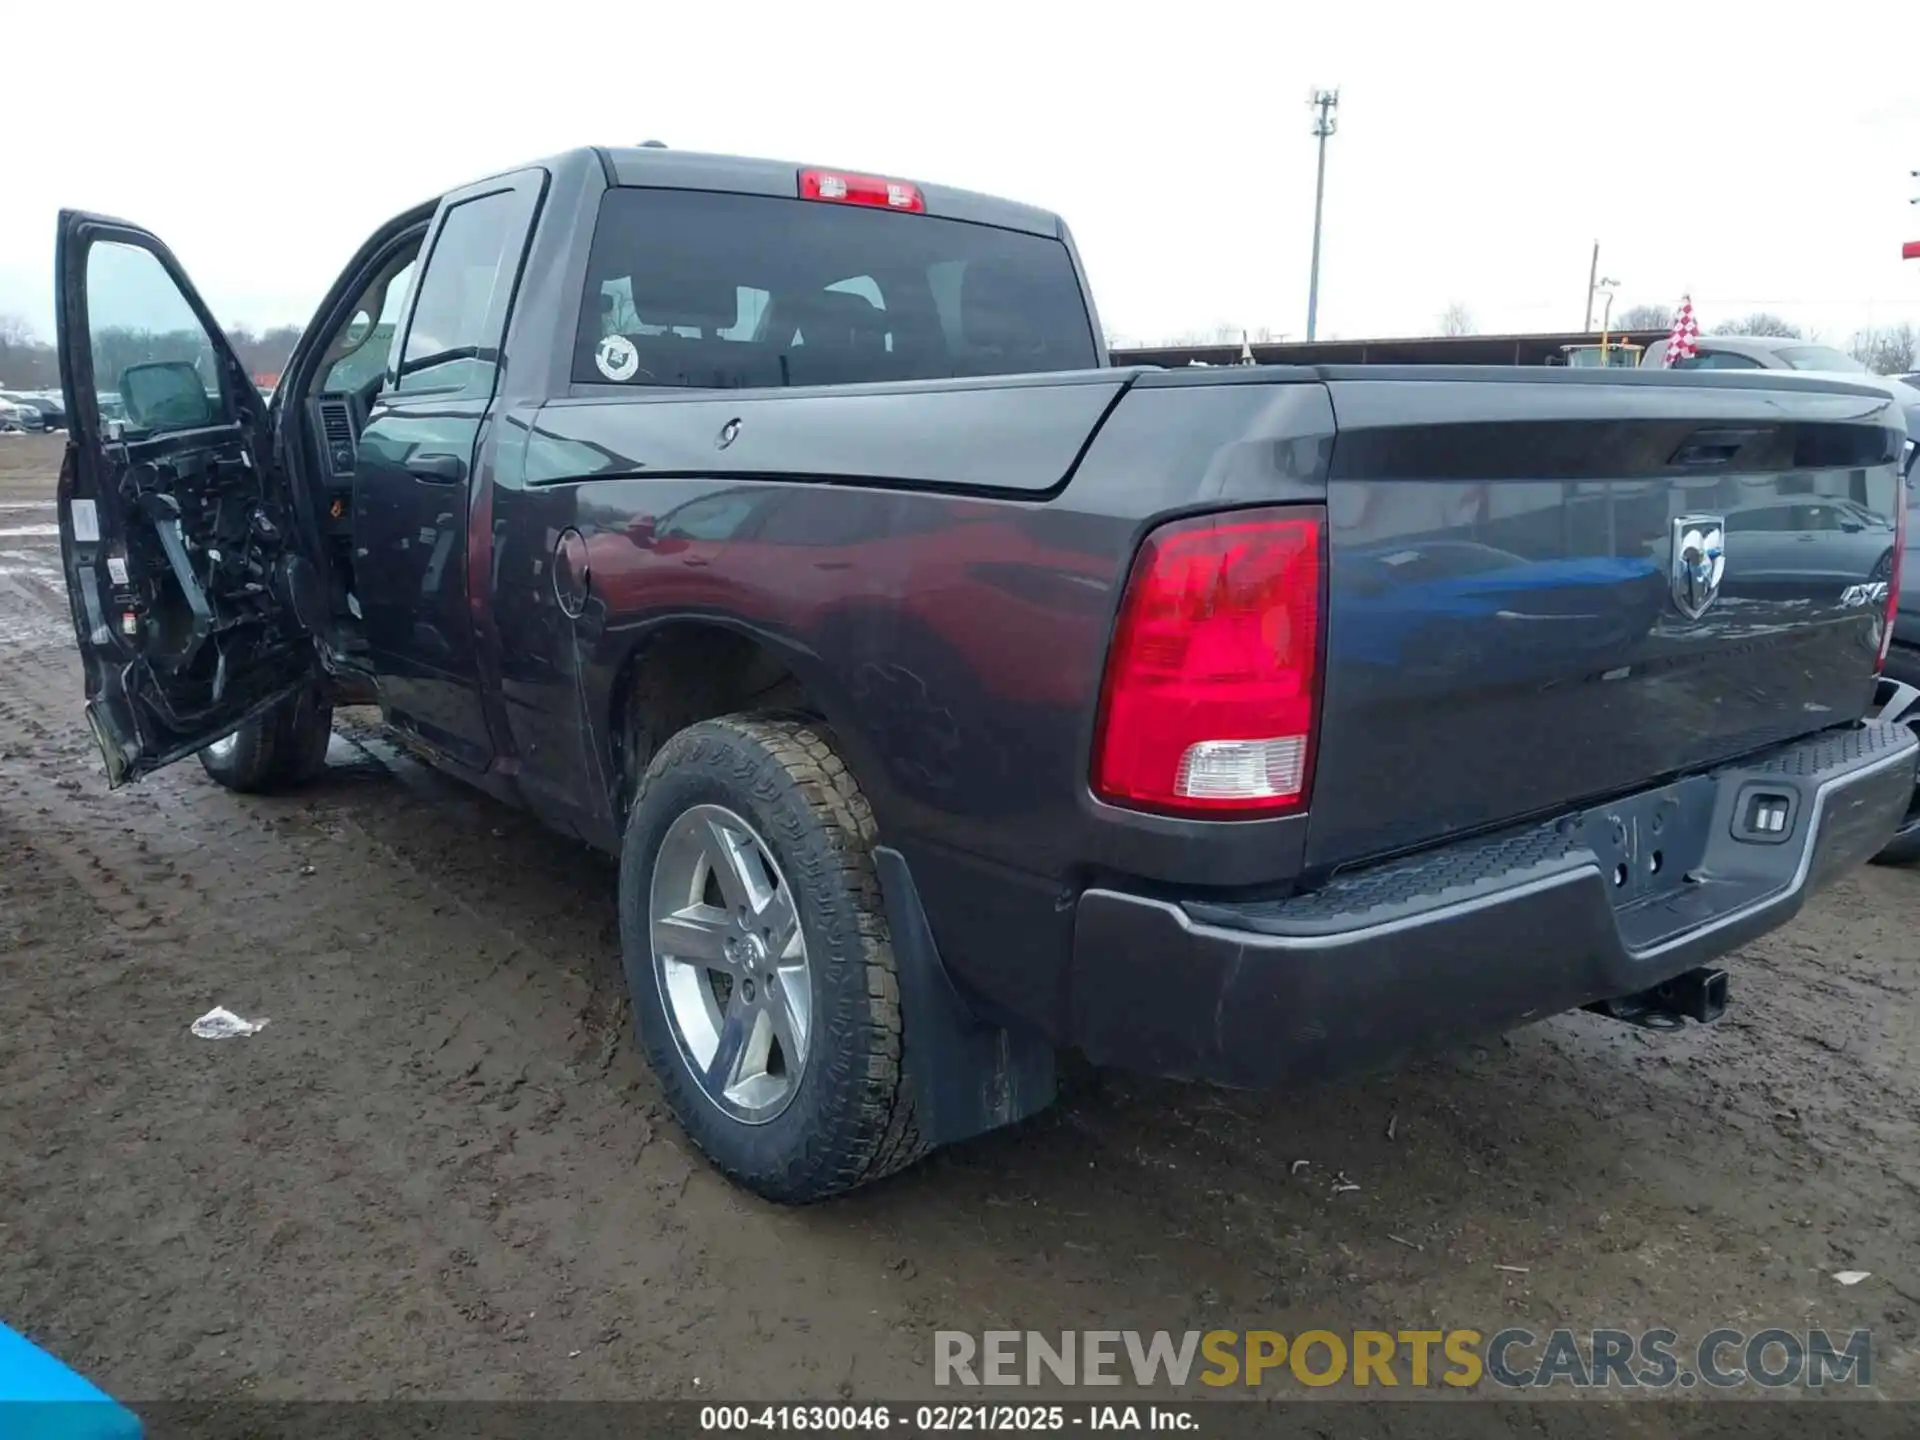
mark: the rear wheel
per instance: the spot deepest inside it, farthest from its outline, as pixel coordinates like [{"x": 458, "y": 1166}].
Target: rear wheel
[
  {"x": 284, "y": 747},
  {"x": 759, "y": 960}
]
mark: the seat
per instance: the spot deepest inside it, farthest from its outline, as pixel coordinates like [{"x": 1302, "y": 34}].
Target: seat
[
  {"x": 843, "y": 339},
  {"x": 999, "y": 306}
]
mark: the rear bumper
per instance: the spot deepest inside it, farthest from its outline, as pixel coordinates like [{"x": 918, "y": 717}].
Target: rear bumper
[{"x": 1483, "y": 935}]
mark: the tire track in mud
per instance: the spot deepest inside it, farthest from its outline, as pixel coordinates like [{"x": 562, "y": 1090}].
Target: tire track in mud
[{"x": 462, "y": 1051}]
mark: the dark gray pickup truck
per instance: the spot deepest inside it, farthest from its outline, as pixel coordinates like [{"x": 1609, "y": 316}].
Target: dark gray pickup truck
[{"x": 951, "y": 699}]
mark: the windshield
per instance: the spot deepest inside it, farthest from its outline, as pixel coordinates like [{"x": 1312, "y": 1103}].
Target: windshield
[{"x": 1821, "y": 357}]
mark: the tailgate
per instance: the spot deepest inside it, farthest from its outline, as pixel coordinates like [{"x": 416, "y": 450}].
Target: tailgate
[{"x": 1510, "y": 629}]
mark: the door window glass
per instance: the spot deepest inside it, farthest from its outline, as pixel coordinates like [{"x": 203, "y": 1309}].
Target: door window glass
[
  {"x": 155, "y": 368},
  {"x": 368, "y": 337},
  {"x": 454, "y": 339}
]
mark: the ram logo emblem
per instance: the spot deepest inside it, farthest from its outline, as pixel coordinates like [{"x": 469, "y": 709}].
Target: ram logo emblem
[{"x": 1699, "y": 561}]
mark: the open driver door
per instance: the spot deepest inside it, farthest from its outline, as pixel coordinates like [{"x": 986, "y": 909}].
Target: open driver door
[{"x": 190, "y": 568}]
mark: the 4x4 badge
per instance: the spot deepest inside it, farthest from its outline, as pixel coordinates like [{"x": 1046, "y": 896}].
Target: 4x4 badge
[{"x": 1699, "y": 560}]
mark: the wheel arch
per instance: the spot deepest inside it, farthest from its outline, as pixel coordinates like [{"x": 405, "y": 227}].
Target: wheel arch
[{"x": 684, "y": 669}]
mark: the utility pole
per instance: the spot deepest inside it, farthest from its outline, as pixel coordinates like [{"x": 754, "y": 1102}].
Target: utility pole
[
  {"x": 1593, "y": 277},
  {"x": 1324, "y": 102}
]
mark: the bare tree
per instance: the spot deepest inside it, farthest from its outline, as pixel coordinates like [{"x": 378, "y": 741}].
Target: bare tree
[
  {"x": 1761, "y": 322},
  {"x": 24, "y": 360},
  {"x": 1456, "y": 319},
  {"x": 1887, "y": 349},
  {"x": 1644, "y": 317}
]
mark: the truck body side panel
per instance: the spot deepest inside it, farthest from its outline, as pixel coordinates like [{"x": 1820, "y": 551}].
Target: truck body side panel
[{"x": 955, "y": 640}]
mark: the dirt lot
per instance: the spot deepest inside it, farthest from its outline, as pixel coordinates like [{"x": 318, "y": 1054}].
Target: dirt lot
[{"x": 441, "y": 1171}]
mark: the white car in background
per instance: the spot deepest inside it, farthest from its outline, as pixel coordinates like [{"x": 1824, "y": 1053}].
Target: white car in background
[
  {"x": 1772, "y": 352},
  {"x": 1758, "y": 352},
  {"x": 32, "y": 412}
]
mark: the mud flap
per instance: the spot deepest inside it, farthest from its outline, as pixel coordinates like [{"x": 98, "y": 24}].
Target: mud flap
[{"x": 969, "y": 1075}]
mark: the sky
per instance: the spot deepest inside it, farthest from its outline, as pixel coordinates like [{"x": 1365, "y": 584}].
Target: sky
[{"x": 1754, "y": 156}]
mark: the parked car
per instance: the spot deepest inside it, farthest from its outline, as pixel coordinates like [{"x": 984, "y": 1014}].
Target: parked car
[
  {"x": 52, "y": 408},
  {"x": 1758, "y": 352},
  {"x": 22, "y": 412},
  {"x": 9, "y": 418},
  {"x": 1775, "y": 353},
  {"x": 950, "y": 698}
]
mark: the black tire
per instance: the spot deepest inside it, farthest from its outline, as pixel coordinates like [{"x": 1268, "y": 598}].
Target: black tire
[
  {"x": 1901, "y": 850},
  {"x": 281, "y": 749},
  {"x": 850, "y": 1119}
]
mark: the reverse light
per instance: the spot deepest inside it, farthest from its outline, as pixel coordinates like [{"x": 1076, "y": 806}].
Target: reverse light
[
  {"x": 1893, "y": 579},
  {"x": 843, "y": 188},
  {"x": 1212, "y": 688}
]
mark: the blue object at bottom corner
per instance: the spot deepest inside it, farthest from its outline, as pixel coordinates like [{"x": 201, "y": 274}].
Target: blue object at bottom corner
[{"x": 42, "y": 1399}]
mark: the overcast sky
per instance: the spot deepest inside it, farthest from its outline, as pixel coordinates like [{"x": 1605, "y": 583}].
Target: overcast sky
[{"x": 1756, "y": 155}]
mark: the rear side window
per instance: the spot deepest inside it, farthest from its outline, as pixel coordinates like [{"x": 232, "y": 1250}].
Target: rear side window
[
  {"x": 1717, "y": 360},
  {"x": 692, "y": 288}
]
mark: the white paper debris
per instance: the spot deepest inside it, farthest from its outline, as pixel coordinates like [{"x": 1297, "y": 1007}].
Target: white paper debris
[
  {"x": 221, "y": 1023},
  {"x": 1851, "y": 1277}
]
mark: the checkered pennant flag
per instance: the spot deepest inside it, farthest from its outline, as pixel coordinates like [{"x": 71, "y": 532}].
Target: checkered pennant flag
[{"x": 1684, "y": 342}]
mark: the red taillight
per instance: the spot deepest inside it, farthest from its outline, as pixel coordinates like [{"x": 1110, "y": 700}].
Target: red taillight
[
  {"x": 1893, "y": 579},
  {"x": 1212, "y": 687},
  {"x": 844, "y": 189}
]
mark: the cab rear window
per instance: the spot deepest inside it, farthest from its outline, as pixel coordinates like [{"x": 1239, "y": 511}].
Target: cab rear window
[{"x": 693, "y": 288}]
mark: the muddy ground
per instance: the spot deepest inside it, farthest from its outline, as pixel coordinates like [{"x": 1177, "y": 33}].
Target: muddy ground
[{"x": 442, "y": 1171}]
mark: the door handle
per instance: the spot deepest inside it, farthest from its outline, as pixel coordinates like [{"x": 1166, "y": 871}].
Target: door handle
[
  {"x": 437, "y": 469},
  {"x": 1712, "y": 447}
]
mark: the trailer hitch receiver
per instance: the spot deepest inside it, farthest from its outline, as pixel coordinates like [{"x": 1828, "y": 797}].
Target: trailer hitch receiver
[{"x": 1699, "y": 995}]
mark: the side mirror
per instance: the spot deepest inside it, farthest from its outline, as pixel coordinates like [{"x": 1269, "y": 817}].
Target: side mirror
[{"x": 166, "y": 395}]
